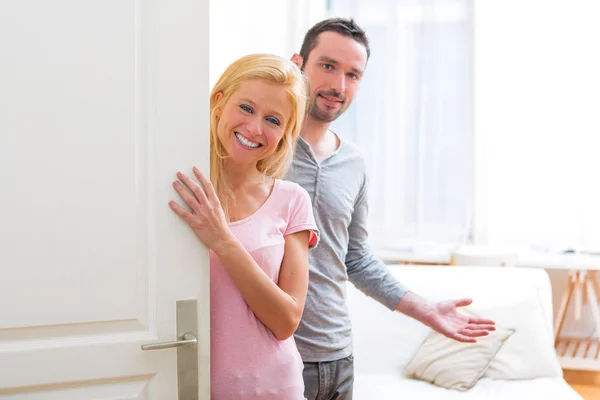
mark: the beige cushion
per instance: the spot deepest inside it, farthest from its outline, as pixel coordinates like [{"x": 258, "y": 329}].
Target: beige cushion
[{"x": 454, "y": 365}]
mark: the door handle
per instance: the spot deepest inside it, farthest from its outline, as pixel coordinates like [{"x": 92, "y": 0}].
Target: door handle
[
  {"x": 187, "y": 349},
  {"x": 187, "y": 338}
]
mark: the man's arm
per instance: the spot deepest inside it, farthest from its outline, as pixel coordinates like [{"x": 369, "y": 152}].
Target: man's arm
[
  {"x": 372, "y": 277},
  {"x": 369, "y": 274}
]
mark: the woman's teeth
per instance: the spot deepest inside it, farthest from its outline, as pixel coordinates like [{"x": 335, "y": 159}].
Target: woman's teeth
[{"x": 246, "y": 142}]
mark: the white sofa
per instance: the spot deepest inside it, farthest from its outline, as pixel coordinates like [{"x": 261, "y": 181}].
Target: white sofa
[{"x": 385, "y": 341}]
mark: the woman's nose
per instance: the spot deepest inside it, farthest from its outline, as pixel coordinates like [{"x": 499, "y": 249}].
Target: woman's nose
[{"x": 254, "y": 126}]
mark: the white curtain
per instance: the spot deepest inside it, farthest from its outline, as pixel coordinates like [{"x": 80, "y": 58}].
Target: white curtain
[
  {"x": 537, "y": 129},
  {"x": 412, "y": 117}
]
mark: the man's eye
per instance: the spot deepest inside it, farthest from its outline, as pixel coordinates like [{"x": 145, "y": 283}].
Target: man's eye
[
  {"x": 327, "y": 66},
  {"x": 246, "y": 108},
  {"x": 274, "y": 120}
]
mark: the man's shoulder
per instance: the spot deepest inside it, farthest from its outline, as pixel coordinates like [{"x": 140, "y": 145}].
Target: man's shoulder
[
  {"x": 352, "y": 152},
  {"x": 350, "y": 146}
]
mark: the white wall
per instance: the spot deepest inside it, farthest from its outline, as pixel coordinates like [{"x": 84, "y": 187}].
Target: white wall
[{"x": 240, "y": 27}]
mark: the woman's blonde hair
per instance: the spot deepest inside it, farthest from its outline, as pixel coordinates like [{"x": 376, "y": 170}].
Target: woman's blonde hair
[{"x": 269, "y": 68}]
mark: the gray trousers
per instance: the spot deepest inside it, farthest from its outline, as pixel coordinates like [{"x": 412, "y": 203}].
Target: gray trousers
[{"x": 331, "y": 380}]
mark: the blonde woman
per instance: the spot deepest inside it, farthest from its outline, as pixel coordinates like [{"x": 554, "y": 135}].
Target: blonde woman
[{"x": 258, "y": 227}]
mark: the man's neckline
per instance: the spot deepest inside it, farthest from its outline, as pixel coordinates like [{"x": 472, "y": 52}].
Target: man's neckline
[{"x": 308, "y": 148}]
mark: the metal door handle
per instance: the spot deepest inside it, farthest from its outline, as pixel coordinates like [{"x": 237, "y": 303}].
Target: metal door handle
[
  {"x": 187, "y": 338},
  {"x": 188, "y": 385}
]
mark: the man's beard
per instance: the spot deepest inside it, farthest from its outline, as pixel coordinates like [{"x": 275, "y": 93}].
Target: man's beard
[{"x": 321, "y": 115}]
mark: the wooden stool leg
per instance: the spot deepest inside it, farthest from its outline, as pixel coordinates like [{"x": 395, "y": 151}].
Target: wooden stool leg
[
  {"x": 578, "y": 292},
  {"x": 593, "y": 304},
  {"x": 595, "y": 283},
  {"x": 584, "y": 288},
  {"x": 562, "y": 310}
]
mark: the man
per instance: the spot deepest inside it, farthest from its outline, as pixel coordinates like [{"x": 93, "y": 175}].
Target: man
[{"x": 334, "y": 56}]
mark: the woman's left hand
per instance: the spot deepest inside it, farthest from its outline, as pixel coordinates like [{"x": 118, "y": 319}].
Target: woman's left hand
[{"x": 206, "y": 218}]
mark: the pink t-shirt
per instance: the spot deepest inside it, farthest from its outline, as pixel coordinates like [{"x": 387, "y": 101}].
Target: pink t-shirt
[{"x": 247, "y": 360}]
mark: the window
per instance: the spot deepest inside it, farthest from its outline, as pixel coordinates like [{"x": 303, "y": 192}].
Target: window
[{"x": 412, "y": 117}]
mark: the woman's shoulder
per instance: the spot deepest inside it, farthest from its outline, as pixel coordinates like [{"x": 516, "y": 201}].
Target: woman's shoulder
[{"x": 290, "y": 190}]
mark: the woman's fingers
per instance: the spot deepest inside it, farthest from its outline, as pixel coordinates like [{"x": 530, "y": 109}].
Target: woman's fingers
[
  {"x": 187, "y": 196},
  {"x": 194, "y": 188},
  {"x": 182, "y": 212},
  {"x": 207, "y": 186}
]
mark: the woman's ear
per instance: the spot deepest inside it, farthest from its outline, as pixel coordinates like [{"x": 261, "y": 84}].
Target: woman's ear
[{"x": 218, "y": 97}]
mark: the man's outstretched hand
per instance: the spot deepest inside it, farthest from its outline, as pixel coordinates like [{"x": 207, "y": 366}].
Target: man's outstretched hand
[
  {"x": 446, "y": 320},
  {"x": 443, "y": 317}
]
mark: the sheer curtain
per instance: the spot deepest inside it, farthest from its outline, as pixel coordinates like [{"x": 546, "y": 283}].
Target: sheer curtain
[
  {"x": 537, "y": 102},
  {"x": 412, "y": 117}
]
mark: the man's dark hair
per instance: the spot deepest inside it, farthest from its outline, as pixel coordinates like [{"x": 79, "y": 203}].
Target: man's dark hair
[{"x": 343, "y": 26}]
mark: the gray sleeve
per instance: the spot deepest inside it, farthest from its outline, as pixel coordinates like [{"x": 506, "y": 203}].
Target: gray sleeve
[{"x": 369, "y": 274}]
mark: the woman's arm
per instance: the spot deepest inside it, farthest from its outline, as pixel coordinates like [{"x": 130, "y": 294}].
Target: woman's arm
[{"x": 280, "y": 306}]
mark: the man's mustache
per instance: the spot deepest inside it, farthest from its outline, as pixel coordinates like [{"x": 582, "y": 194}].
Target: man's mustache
[{"x": 335, "y": 95}]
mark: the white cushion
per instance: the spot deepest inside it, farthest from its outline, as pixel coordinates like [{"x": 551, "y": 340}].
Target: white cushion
[{"x": 450, "y": 364}]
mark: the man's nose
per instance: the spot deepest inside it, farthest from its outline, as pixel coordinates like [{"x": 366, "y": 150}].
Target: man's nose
[{"x": 338, "y": 83}]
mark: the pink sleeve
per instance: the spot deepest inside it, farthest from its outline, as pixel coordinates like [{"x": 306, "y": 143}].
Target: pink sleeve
[{"x": 301, "y": 217}]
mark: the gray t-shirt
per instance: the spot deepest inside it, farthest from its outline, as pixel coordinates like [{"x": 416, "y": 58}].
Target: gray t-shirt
[{"x": 338, "y": 188}]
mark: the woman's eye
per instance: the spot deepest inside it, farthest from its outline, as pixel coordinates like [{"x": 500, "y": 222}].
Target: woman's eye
[
  {"x": 246, "y": 108},
  {"x": 274, "y": 121}
]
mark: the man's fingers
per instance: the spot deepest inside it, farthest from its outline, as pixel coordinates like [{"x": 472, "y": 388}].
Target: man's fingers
[
  {"x": 463, "y": 338},
  {"x": 476, "y": 327},
  {"x": 481, "y": 321},
  {"x": 474, "y": 333},
  {"x": 463, "y": 302}
]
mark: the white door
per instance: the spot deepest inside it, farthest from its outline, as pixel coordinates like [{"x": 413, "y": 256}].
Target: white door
[{"x": 101, "y": 102}]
